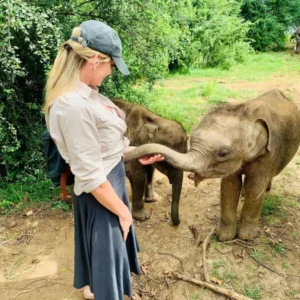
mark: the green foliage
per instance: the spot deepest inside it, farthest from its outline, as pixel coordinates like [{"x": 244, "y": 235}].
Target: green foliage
[
  {"x": 196, "y": 296},
  {"x": 220, "y": 33},
  {"x": 28, "y": 37},
  {"x": 290, "y": 293},
  {"x": 252, "y": 292},
  {"x": 272, "y": 205},
  {"x": 256, "y": 254},
  {"x": 270, "y": 19},
  {"x": 14, "y": 196},
  {"x": 220, "y": 271},
  {"x": 279, "y": 249},
  {"x": 61, "y": 205}
]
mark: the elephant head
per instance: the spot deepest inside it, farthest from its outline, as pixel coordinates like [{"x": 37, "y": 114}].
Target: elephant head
[{"x": 228, "y": 137}]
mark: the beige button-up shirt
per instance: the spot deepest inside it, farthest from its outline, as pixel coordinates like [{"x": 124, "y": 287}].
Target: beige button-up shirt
[{"x": 88, "y": 136}]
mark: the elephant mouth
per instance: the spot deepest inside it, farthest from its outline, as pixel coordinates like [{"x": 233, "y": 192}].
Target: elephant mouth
[
  {"x": 197, "y": 179},
  {"x": 200, "y": 177}
]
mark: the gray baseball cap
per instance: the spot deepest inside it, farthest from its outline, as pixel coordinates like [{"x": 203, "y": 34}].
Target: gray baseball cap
[{"x": 100, "y": 37}]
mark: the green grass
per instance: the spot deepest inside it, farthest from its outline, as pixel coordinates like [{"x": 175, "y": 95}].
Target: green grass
[
  {"x": 290, "y": 293},
  {"x": 195, "y": 296},
  {"x": 272, "y": 205},
  {"x": 258, "y": 66},
  {"x": 15, "y": 196},
  {"x": 252, "y": 292},
  {"x": 275, "y": 248},
  {"x": 221, "y": 271},
  {"x": 186, "y": 97},
  {"x": 187, "y": 105},
  {"x": 256, "y": 254}
]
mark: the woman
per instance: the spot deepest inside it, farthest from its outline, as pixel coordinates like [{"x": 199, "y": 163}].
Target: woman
[{"x": 88, "y": 130}]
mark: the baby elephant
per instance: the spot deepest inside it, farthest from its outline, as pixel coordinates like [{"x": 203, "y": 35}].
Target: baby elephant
[
  {"x": 146, "y": 127},
  {"x": 257, "y": 138}
]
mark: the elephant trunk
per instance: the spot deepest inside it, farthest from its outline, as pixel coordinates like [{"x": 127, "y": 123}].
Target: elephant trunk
[{"x": 186, "y": 162}]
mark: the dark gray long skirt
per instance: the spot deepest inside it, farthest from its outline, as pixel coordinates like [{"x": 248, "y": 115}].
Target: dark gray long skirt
[{"x": 102, "y": 259}]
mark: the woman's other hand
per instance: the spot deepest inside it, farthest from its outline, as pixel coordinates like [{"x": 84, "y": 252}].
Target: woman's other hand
[
  {"x": 125, "y": 220},
  {"x": 148, "y": 160}
]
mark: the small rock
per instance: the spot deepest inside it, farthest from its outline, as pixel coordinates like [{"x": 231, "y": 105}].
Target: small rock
[
  {"x": 29, "y": 213},
  {"x": 12, "y": 224},
  {"x": 35, "y": 224},
  {"x": 289, "y": 223},
  {"x": 297, "y": 296},
  {"x": 239, "y": 261},
  {"x": 35, "y": 261},
  {"x": 16, "y": 252}
]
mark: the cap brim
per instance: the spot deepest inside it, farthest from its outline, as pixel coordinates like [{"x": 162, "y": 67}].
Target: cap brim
[{"x": 120, "y": 64}]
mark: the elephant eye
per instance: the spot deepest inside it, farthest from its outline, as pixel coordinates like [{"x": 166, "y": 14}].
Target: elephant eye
[{"x": 223, "y": 154}]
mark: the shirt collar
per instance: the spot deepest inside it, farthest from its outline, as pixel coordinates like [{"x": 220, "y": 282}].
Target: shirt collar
[{"x": 84, "y": 90}]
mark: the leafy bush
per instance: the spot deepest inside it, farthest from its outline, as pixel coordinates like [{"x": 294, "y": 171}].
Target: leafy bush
[
  {"x": 28, "y": 37},
  {"x": 270, "y": 20},
  {"x": 220, "y": 32}
]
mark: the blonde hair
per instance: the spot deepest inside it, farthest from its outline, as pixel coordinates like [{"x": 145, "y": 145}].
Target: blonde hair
[{"x": 65, "y": 71}]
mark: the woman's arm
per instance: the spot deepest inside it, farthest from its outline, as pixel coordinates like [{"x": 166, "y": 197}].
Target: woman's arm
[{"x": 106, "y": 195}]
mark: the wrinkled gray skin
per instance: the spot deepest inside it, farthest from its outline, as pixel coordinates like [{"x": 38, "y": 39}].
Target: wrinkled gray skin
[
  {"x": 257, "y": 138},
  {"x": 145, "y": 127}
]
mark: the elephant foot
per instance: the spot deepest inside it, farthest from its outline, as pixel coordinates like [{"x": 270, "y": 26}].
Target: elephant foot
[
  {"x": 141, "y": 214},
  {"x": 248, "y": 231},
  {"x": 152, "y": 198},
  {"x": 226, "y": 232}
]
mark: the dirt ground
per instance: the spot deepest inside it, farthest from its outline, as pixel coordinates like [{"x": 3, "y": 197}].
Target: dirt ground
[{"x": 36, "y": 251}]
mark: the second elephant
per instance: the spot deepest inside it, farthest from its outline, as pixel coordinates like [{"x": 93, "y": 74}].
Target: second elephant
[{"x": 146, "y": 127}]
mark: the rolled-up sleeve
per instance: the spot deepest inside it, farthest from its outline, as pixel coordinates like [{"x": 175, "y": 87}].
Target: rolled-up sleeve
[{"x": 84, "y": 148}]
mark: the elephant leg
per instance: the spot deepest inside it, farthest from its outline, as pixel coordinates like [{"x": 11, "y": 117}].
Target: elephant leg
[
  {"x": 255, "y": 188},
  {"x": 230, "y": 191},
  {"x": 150, "y": 195},
  {"x": 138, "y": 185},
  {"x": 175, "y": 177}
]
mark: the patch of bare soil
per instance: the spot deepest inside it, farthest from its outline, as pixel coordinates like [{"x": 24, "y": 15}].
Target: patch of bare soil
[
  {"x": 36, "y": 252},
  {"x": 287, "y": 84}
]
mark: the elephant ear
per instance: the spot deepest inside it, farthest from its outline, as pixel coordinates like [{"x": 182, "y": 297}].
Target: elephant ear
[
  {"x": 146, "y": 134},
  {"x": 274, "y": 111},
  {"x": 270, "y": 143}
]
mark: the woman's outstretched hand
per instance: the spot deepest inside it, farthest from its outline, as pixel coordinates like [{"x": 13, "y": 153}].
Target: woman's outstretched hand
[{"x": 148, "y": 160}]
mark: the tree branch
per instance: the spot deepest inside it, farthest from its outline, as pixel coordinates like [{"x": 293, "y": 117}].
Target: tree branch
[{"x": 217, "y": 289}]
